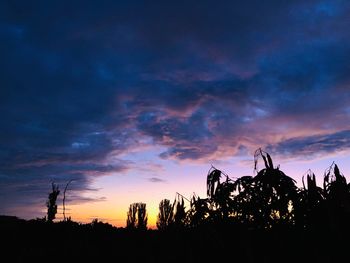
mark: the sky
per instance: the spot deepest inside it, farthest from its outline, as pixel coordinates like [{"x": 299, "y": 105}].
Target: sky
[{"x": 135, "y": 100}]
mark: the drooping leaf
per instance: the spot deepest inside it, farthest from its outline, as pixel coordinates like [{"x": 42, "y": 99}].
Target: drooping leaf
[
  {"x": 269, "y": 160},
  {"x": 265, "y": 161}
]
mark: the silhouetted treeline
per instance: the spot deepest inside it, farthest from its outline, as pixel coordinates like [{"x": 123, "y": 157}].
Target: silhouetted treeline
[{"x": 261, "y": 218}]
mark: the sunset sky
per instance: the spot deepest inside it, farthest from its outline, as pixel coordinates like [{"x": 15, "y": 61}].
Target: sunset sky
[{"x": 135, "y": 100}]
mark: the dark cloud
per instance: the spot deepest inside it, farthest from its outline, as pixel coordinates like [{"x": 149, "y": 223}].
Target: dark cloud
[
  {"x": 309, "y": 146},
  {"x": 30, "y": 184},
  {"x": 156, "y": 180},
  {"x": 84, "y": 81}
]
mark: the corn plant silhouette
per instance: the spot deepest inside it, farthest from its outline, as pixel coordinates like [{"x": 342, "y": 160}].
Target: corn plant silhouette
[
  {"x": 137, "y": 216},
  {"x": 335, "y": 187},
  {"x": 179, "y": 211},
  {"x": 261, "y": 201},
  {"x": 267, "y": 198},
  {"x": 199, "y": 211},
  {"x": 309, "y": 207},
  {"x": 51, "y": 203},
  {"x": 219, "y": 194},
  {"x": 272, "y": 198},
  {"x": 337, "y": 195}
]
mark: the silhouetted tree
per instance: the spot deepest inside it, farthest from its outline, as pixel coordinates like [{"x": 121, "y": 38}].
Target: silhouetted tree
[
  {"x": 51, "y": 203},
  {"x": 137, "y": 216},
  {"x": 165, "y": 215},
  {"x": 131, "y": 216},
  {"x": 142, "y": 217}
]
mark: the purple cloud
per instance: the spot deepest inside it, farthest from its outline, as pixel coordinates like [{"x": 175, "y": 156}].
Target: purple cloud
[{"x": 84, "y": 84}]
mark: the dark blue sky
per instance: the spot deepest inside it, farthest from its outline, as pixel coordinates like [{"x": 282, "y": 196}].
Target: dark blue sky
[{"x": 84, "y": 83}]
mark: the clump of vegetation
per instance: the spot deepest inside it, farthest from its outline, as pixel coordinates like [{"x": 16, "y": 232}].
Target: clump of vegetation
[
  {"x": 51, "y": 203},
  {"x": 264, "y": 201}
]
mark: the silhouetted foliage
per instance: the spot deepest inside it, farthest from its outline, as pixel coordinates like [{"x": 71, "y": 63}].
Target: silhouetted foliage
[
  {"x": 273, "y": 195},
  {"x": 51, "y": 203},
  {"x": 131, "y": 219},
  {"x": 213, "y": 180},
  {"x": 99, "y": 225},
  {"x": 137, "y": 216},
  {"x": 180, "y": 211},
  {"x": 310, "y": 202},
  {"x": 199, "y": 211},
  {"x": 142, "y": 216},
  {"x": 219, "y": 194},
  {"x": 165, "y": 215},
  {"x": 337, "y": 197},
  {"x": 265, "y": 218},
  {"x": 269, "y": 199}
]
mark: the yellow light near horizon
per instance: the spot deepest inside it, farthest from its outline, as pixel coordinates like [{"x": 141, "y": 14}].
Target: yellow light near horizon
[{"x": 108, "y": 211}]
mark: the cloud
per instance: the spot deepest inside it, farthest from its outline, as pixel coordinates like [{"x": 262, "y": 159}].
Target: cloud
[
  {"x": 84, "y": 84},
  {"x": 156, "y": 180},
  {"x": 31, "y": 185},
  {"x": 309, "y": 146}
]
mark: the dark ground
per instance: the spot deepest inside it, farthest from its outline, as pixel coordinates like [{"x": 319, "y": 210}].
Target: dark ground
[{"x": 37, "y": 241}]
